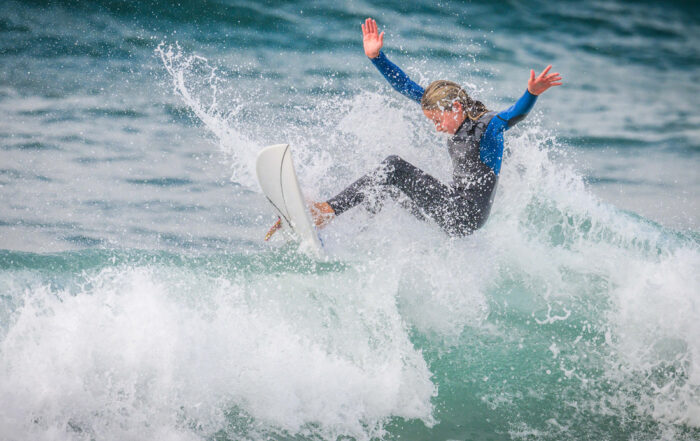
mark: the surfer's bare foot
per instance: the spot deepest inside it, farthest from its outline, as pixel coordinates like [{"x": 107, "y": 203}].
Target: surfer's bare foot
[{"x": 322, "y": 213}]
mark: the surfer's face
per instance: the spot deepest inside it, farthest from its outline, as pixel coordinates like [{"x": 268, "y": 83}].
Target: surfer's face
[{"x": 447, "y": 121}]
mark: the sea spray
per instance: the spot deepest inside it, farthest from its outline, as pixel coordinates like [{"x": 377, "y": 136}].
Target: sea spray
[{"x": 196, "y": 82}]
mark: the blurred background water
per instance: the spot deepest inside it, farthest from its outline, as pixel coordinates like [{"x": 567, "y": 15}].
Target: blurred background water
[{"x": 137, "y": 299}]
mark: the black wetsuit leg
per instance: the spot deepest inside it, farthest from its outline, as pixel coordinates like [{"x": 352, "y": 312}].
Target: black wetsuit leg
[{"x": 447, "y": 206}]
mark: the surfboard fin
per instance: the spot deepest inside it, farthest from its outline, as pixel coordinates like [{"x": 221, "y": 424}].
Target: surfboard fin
[{"x": 274, "y": 229}]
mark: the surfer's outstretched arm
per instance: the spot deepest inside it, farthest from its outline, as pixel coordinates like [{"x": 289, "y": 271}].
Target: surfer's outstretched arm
[
  {"x": 491, "y": 149},
  {"x": 535, "y": 87},
  {"x": 517, "y": 112},
  {"x": 373, "y": 42}
]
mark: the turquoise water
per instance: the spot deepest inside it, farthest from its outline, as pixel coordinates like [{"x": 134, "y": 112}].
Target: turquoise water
[{"x": 138, "y": 300}]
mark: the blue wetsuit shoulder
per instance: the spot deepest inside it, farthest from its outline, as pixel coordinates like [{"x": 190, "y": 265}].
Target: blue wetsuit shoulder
[
  {"x": 491, "y": 145},
  {"x": 397, "y": 78}
]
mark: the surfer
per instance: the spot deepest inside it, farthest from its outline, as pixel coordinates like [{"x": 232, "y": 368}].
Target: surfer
[{"x": 475, "y": 147}]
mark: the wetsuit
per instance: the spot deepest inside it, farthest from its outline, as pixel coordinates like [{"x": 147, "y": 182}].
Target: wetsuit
[{"x": 476, "y": 150}]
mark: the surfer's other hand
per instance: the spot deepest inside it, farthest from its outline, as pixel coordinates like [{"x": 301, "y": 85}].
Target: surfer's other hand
[
  {"x": 371, "y": 38},
  {"x": 322, "y": 213},
  {"x": 537, "y": 85}
]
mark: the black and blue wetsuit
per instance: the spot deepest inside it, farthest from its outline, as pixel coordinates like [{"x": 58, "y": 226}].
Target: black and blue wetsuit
[{"x": 476, "y": 150}]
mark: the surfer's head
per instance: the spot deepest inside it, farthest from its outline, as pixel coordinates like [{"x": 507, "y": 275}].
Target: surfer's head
[{"x": 448, "y": 105}]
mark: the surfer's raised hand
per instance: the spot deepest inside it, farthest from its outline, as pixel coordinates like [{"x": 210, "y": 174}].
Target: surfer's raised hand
[
  {"x": 371, "y": 38},
  {"x": 537, "y": 85}
]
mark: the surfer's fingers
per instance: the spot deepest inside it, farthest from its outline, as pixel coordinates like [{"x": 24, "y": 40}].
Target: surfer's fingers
[
  {"x": 381, "y": 38},
  {"x": 544, "y": 72},
  {"x": 364, "y": 31},
  {"x": 532, "y": 75}
]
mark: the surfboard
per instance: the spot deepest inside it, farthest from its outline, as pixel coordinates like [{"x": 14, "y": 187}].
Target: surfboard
[{"x": 278, "y": 181}]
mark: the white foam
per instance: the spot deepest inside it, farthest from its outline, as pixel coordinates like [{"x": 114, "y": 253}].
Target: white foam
[{"x": 145, "y": 353}]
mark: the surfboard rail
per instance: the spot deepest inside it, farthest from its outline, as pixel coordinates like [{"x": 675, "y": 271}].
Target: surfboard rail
[{"x": 278, "y": 180}]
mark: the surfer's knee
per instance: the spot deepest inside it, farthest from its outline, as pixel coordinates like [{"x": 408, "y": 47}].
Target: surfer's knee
[
  {"x": 393, "y": 166},
  {"x": 393, "y": 160}
]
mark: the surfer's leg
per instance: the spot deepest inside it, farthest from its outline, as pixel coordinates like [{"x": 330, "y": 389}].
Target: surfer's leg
[
  {"x": 428, "y": 195},
  {"x": 354, "y": 194},
  {"x": 371, "y": 189},
  {"x": 447, "y": 207}
]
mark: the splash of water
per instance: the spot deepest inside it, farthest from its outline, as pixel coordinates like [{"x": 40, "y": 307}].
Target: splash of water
[
  {"x": 164, "y": 351},
  {"x": 197, "y": 83}
]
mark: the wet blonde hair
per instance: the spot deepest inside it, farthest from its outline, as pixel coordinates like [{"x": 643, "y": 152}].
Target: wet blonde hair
[{"x": 442, "y": 94}]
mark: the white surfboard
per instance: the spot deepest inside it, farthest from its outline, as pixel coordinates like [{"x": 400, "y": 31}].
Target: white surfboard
[{"x": 279, "y": 183}]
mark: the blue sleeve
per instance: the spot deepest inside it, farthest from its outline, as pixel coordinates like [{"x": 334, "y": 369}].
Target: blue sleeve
[
  {"x": 397, "y": 78},
  {"x": 518, "y": 111},
  {"x": 491, "y": 145}
]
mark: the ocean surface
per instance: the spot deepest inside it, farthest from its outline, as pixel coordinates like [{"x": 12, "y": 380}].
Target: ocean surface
[{"x": 138, "y": 300}]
